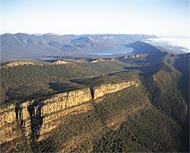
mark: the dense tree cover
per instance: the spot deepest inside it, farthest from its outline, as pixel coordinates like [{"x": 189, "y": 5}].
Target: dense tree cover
[
  {"x": 116, "y": 77},
  {"x": 150, "y": 118},
  {"x": 182, "y": 63},
  {"x": 22, "y": 82},
  {"x": 168, "y": 98},
  {"x": 166, "y": 94},
  {"x": 146, "y": 130},
  {"x": 150, "y": 131}
]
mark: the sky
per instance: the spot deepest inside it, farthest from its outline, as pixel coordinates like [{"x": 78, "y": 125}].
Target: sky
[{"x": 160, "y": 17}]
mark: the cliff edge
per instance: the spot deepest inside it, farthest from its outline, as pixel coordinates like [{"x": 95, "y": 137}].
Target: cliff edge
[{"x": 33, "y": 118}]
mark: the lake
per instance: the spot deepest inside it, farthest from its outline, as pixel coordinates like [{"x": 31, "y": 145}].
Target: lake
[{"x": 115, "y": 51}]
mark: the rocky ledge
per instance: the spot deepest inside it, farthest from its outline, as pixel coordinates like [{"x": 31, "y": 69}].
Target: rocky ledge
[{"x": 33, "y": 117}]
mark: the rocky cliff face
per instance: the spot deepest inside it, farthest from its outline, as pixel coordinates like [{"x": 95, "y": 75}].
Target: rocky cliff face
[
  {"x": 33, "y": 119},
  {"x": 104, "y": 89},
  {"x": 18, "y": 63}
]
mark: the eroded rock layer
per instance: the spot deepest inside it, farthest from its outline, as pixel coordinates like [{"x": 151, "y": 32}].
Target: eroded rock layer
[{"x": 32, "y": 119}]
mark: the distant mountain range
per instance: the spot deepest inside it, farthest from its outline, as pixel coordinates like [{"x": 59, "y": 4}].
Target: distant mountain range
[{"x": 27, "y": 46}]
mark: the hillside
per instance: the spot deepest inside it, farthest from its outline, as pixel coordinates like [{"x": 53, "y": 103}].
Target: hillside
[
  {"x": 112, "y": 123},
  {"x": 32, "y": 80},
  {"x": 133, "y": 103},
  {"x": 153, "y": 54}
]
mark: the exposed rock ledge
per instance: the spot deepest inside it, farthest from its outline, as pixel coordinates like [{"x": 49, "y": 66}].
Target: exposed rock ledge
[
  {"x": 60, "y": 62},
  {"x": 102, "y": 90},
  {"x": 18, "y": 63},
  {"x": 26, "y": 115}
]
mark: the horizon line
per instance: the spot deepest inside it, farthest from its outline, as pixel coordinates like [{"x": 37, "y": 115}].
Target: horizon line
[
  {"x": 78, "y": 34},
  {"x": 52, "y": 33}
]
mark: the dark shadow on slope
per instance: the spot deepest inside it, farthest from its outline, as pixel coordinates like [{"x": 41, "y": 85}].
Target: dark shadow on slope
[
  {"x": 21, "y": 128},
  {"x": 64, "y": 86},
  {"x": 18, "y": 112},
  {"x": 36, "y": 117},
  {"x": 150, "y": 69},
  {"x": 152, "y": 89},
  {"x": 183, "y": 65}
]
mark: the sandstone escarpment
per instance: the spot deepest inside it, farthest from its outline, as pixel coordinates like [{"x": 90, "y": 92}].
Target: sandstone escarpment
[
  {"x": 33, "y": 118},
  {"x": 13, "y": 115},
  {"x": 104, "y": 89},
  {"x": 18, "y": 63}
]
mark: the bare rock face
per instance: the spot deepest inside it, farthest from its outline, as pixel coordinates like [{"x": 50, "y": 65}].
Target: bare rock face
[
  {"x": 18, "y": 63},
  {"x": 132, "y": 56},
  {"x": 14, "y": 115},
  {"x": 104, "y": 89},
  {"x": 60, "y": 62},
  {"x": 78, "y": 97},
  {"x": 32, "y": 119}
]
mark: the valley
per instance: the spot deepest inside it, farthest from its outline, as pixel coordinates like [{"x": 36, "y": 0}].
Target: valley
[
  {"x": 127, "y": 103},
  {"x": 22, "y": 46}
]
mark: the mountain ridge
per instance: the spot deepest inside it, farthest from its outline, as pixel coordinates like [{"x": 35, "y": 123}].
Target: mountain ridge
[{"x": 23, "y": 45}]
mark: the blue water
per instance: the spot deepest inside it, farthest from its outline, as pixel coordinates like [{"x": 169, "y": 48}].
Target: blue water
[{"x": 115, "y": 51}]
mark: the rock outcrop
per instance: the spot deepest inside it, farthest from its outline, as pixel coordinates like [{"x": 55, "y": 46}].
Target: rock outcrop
[
  {"x": 60, "y": 62},
  {"x": 132, "y": 56},
  {"x": 104, "y": 89},
  {"x": 33, "y": 118},
  {"x": 18, "y": 63}
]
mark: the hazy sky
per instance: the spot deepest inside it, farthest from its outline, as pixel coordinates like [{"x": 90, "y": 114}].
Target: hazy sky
[{"x": 161, "y": 17}]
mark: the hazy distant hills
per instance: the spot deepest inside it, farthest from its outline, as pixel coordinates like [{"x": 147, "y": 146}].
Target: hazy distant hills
[
  {"x": 23, "y": 46},
  {"x": 153, "y": 54},
  {"x": 143, "y": 48}
]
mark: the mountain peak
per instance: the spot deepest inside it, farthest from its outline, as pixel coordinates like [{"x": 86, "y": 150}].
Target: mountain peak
[
  {"x": 7, "y": 34},
  {"x": 21, "y": 33}
]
